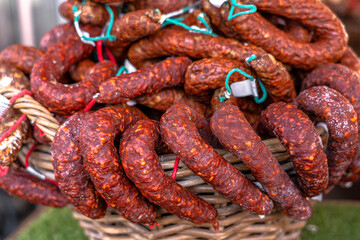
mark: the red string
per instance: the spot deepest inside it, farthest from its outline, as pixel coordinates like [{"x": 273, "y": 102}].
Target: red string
[
  {"x": 99, "y": 50},
  {"x": 110, "y": 55},
  {"x": 173, "y": 175},
  {"x": 40, "y": 131},
  {"x": 52, "y": 181},
  {"x": 90, "y": 105},
  {"x": 13, "y": 127},
  {"x": 3, "y": 171},
  {"x": 28, "y": 155},
  {"x": 19, "y": 95}
]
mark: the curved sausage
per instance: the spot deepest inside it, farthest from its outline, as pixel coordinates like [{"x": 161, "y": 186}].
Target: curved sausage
[
  {"x": 141, "y": 164},
  {"x": 73, "y": 180},
  {"x": 79, "y": 71},
  {"x": 101, "y": 162},
  {"x": 341, "y": 119},
  {"x": 179, "y": 131}
]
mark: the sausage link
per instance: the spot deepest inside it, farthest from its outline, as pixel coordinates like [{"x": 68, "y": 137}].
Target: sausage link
[
  {"x": 66, "y": 99},
  {"x": 141, "y": 164},
  {"x": 330, "y": 44},
  {"x": 238, "y": 137},
  {"x": 79, "y": 71},
  {"x": 101, "y": 162},
  {"x": 22, "y": 184},
  {"x": 73, "y": 180},
  {"x": 351, "y": 60},
  {"x": 165, "y": 98},
  {"x": 21, "y": 56},
  {"x": 91, "y": 13},
  {"x": 165, "y": 6},
  {"x": 148, "y": 80},
  {"x": 179, "y": 131},
  {"x": 345, "y": 81},
  {"x": 174, "y": 41},
  {"x": 57, "y": 34},
  {"x": 341, "y": 119},
  {"x": 301, "y": 139},
  {"x": 10, "y": 146},
  {"x": 13, "y": 77},
  {"x": 131, "y": 27}
]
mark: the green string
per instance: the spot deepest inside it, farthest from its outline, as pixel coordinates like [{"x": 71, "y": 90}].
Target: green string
[
  {"x": 108, "y": 31},
  {"x": 249, "y": 59},
  {"x": 183, "y": 25},
  {"x": 122, "y": 69},
  {"x": 252, "y": 8},
  {"x": 176, "y": 19},
  {"x": 201, "y": 17}
]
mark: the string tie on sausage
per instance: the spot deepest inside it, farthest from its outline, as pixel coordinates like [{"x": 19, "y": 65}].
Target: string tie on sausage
[
  {"x": 122, "y": 69},
  {"x": 251, "y": 9},
  {"x": 176, "y": 164},
  {"x": 85, "y": 36},
  {"x": 5, "y": 104},
  {"x": 244, "y": 88}
]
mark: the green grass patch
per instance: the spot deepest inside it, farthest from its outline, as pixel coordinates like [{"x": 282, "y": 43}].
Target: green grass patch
[
  {"x": 333, "y": 221},
  {"x": 53, "y": 224}
]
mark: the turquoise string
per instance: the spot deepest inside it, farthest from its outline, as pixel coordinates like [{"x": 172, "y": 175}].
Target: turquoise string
[
  {"x": 108, "y": 31},
  {"x": 203, "y": 21},
  {"x": 122, "y": 69},
  {"x": 252, "y": 8},
  {"x": 183, "y": 25},
  {"x": 176, "y": 19},
  {"x": 262, "y": 87}
]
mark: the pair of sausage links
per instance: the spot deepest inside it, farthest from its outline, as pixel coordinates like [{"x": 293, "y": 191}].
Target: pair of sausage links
[
  {"x": 301, "y": 139},
  {"x": 73, "y": 180},
  {"x": 141, "y": 164},
  {"x": 20, "y": 56},
  {"x": 238, "y": 137},
  {"x": 148, "y": 80},
  {"x": 66, "y": 99},
  {"x": 345, "y": 81},
  {"x": 79, "y": 71},
  {"x": 179, "y": 132},
  {"x": 174, "y": 41},
  {"x": 22, "y": 184},
  {"x": 329, "y": 47},
  {"x": 131, "y": 27},
  {"x": 165, "y": 98},
  {"x": 101, "y": 162},
  {"x": 341, "y": 119},
  {"x": 10, "y": 146},
  {"x": 91, "y": 13}
]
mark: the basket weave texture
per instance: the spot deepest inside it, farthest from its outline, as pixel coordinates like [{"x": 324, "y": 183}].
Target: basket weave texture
[{"x": 234, "y": 222}]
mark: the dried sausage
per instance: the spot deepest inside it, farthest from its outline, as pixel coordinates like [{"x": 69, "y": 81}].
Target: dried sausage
[
  {"x": 101, "y": 162},
  {"x": 91, "y": 13},
  {"x": 164, "y": 6},
  {"x": 22, "y": 184},
  {"x": 132, "y": 27},
  {"x": 341, "y": 119},
  {"x": 329, "y": 46},
  {"x": 351, "y": 60},
  {"x": 345, "y": 81},
  {"x": 79, "y": 71},
  {"x": 165, "y": 98},
  {"x": 13, "y": 77},
  {"x": 237, "y": 136},
  {"x": 179, "y": 131},
  {"x": 141, "y": 164},
  {"x": 174, "y": 41},
  {"x": 10, "y": 146},
  {"x": 148, "y": 80},
  {"x": 66, "y": 99},
  {"x": 73, "y": 180},
  {"x": 301, "y": 139},
  {"x": 21, "y": 56},
  {"x": 56, "y": 34}
]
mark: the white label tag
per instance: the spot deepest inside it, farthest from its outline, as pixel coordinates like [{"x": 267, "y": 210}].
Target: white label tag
[
  {"x": 244, "y": 88},
  {"x": 217, "y": 3},
  {"x": 129, "y": 66}
]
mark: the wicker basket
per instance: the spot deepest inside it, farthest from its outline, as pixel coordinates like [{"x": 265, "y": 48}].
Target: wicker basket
[{"x": 234, "y": 222}]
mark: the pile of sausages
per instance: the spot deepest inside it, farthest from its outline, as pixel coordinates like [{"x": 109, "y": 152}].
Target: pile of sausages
[{"x": 109, "y": 156}]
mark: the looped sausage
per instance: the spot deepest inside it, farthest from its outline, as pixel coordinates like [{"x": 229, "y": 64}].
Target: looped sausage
[
  {"x": 345, "y": 81},
  {"x": 179, "y": 130},
  {"x": 141, "y": 164},
  {"x": 22, "y": 184},
  {"x": 101, "y": 162},
  {"x": 237, "y": 136},
  {"x": 20, "y": 56},
  {"x": 301, "y": 139},
  {"x": 330, "y": 45},
  {"x": 148, "y": 80},
  {"x": 73, "y": 180},
  {"x": 341, "y": 119}
]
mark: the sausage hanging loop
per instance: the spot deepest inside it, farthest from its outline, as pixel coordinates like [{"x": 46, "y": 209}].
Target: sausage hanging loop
[{"x": 252, "y": 8}]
